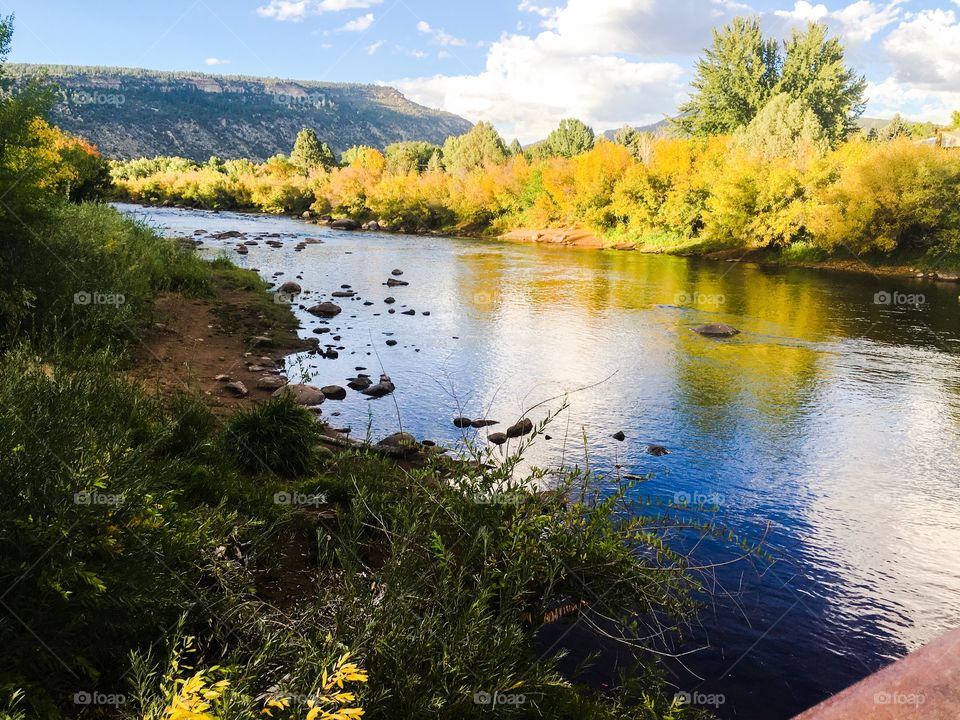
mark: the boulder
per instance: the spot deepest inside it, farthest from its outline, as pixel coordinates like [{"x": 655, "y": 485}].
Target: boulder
[
  {"x": 396, "y": 273},
  {"x": 497, "y": 438},
  {"x": 462, "y": 422},
  {"x": 271, "y": 382},
  {"x": 382, "y": 388},
  {"x": 391, "y": 343},
  {"x": 304, "y": 394},
  {"x": 372, "y": 225},
  {"x": 401, "y": 441},
  {"x": 390, "y": 300},
  {"x": 393, "y": 282},
  {"x": 716, "y": 330},
  {"x": 238, "y": 389},
  {"x": 360, "y": 383},
  {"x": 657, "y": 450},
  {"x": 291, "y": 288},
  {"x": 343, "y": 294},
  {"x": 345, "y": 224},
  {"x": 619, "y": 436},
  {"x": 325, "y": 309},
  {"x": 484, "y": 423},
  {"x": 334, "y": 392},
  {"x": 409, "y": 312},
  {"x": 524, "y": 427}
]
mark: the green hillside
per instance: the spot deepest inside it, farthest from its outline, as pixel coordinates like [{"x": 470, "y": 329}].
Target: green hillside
[{"x": 131, "y": 113}]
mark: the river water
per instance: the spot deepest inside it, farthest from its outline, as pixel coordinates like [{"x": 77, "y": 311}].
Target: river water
[{"x": 829, "y": 428}]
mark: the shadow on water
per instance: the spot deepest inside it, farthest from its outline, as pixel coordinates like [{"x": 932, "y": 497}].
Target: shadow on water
[{"x": 829, "y": 427}]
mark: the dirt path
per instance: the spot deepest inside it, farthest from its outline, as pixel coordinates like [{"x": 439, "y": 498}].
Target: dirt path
[{"x": 192, "y": 341}]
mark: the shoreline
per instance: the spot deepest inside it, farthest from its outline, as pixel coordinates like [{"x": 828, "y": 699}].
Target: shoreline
[{"x": 580, "y": 238}]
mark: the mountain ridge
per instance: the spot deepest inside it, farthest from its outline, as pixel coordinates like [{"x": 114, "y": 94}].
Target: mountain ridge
[{"x": 136, "y": 112}]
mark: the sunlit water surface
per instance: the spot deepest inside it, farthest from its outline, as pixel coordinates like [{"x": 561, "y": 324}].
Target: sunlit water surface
[{"x": 830, "y": 426}]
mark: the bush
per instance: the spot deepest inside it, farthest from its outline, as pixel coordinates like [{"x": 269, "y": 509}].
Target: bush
[{"x": 277, "y": 436}]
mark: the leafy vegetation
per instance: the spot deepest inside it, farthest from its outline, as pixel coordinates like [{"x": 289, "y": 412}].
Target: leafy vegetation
[{"x": 159, "y": 563}]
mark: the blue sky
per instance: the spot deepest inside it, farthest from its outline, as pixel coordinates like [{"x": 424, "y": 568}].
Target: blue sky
[{"x": 522, "y": 64}]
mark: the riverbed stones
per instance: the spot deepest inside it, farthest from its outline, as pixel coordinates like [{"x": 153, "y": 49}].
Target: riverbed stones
[
  {"x": 409, "y": 312},
  {"x": 361, "y": 382},
  {"x": 343, "y": 293},
  {"x": 334, "y": 392},
  {"x": 381, "y": 389},
  {"x": 524, "y": 427},
  {"x": 619, "y": 436},
  {"x": 291, "y": 288},
  {"x": 657, "y": 450},
  {"x": 401, "y": 441},
  {"x": 396, "y": 272},
  {"x": 391, "y": 343},
  {"x": 462, "y": 422},
  {"x": 393, "y": 282},
  {"x": 390, "y": 300},
  {"x": 720, "y": 330},
  {"x": 325, "y": 309},
  {"x": 497, "y": 438},
  {"x": 484, "y": 423},
  {"x": 303, "y": 394}
]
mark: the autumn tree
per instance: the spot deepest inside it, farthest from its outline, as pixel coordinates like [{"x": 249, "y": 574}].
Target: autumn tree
[
  {"x": 571, "y": 138},
  {"x": 515, "y": 148},
  {"x": 897, "y": 128},
  {"x": 404, "y": 158},
  {"x": 785, "y": 128}
]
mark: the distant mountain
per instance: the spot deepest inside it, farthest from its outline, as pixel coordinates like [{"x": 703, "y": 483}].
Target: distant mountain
[
  {"x": 658, "y": 128},
  {"x": 131, "y": 113}
]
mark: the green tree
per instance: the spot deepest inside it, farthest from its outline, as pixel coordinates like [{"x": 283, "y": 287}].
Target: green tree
[
  {"x": 734, "y": 80},
  {"x": 571, "y": 138},
  {"x": 743, "y": 70},
  {"x": 815, "y": 70},
  {"x": 480, "y": 147},
  {"x": 436, "y": 161},
  {"x": 955, "y": 120},
  {"x": 516, "y": 148},
  {"x": 897, "y": 128},
  {"x": 408, "y": 157},
  {"x": 626, "y": 136},
  {"x": 309, "y": 153},
  {"x": 785, "y": 127}
]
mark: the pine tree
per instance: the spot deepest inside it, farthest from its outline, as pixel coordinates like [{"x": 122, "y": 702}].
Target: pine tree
[
  {"x": 480, "y": 147},
  {"x": 516, "y": 148},
  {"x": 571, "y": 138},
  {"x": 309, "y": 153},
  {"x": 895, "y": 130}
]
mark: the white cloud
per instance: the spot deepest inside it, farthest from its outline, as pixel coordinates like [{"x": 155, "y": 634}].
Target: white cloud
[
  {"x": 359, "y": 24},
  {"x": 925, "y": 50},
  {"x": 892, "y": 96},
  {"x": 372, "y": 49},
  {"x": 857, "y": 22},
  {"x": 440, "y": 36},
  {"x": 217, "y": 61},
  {"x": 297, "y": 10},
  {"x": 580, "y": 66}
]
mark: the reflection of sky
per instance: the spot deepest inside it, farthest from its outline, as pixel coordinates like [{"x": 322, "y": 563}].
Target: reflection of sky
[{"x": 831, "y": 418}]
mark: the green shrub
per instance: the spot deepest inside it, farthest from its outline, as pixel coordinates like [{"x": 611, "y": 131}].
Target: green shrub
[{"x": 277, "y": 436}]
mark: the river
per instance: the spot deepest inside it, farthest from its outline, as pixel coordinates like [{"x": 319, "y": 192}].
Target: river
[{"x": 829, "y": 428}]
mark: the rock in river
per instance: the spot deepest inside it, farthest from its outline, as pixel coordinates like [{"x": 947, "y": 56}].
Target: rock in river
[
  {"x": 716, "y": 330},
  {"x": 483, "y": 423},
  {"x": 345, "y": 224},
  {"x": 360, "y": 383},
  {"x": 462, "y": 422},
  {"x": 393, "y": 282},
  {"x": 325, "y": 310},
  {"x": 524, "y": 427},
  {"x": 619, "y": 436},
  {"x": 271, "y": 382},
  {"x": 402, "y": 441},
  {"x": 397, "y": 272},
  {"x": 657, "y": 450},
  {"x": 384, "y": 387},
  {"x": 291, "y": 288},
  {"x": 304, "y": 394},
  {"x": 334, "y": 392},
  {"x": 497, "y": 438}
]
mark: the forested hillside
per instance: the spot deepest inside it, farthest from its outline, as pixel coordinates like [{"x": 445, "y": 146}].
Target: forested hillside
[{"x": 131, "y": 113}]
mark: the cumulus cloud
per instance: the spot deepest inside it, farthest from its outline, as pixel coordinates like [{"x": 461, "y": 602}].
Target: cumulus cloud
[
  {"x": 858, "y": 22},
  {"x": 359, "y": 24},
  {"x": 297, "y": 10},
  {"x": 925, "y": 50},
  {"x": 599, "y": 61},
  {"x": 372, "y": 49},
  {"x": 892, "y": 96}
]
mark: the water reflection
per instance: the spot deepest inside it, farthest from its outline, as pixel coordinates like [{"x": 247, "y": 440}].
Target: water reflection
[{"x": 829, "y": 426}]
